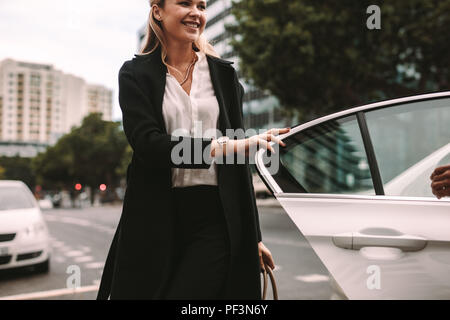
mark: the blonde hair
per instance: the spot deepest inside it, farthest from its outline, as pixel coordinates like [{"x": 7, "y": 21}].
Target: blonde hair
[{"x": 155, "y": 37}]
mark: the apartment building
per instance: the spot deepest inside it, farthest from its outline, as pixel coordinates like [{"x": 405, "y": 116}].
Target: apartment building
[
  {"x": 38, "y": 104},
  {"x": 99, "y": 99}
]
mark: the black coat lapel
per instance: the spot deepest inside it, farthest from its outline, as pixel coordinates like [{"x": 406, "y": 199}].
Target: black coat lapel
[
  {"x": 219, "y": 72},
  {"x": 153, "y": 76}
]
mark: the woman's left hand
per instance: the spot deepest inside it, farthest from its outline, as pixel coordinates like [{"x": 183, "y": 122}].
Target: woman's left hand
[{"x": 265, "y": 256}]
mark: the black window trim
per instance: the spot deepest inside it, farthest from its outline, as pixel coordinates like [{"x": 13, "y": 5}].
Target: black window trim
[{"x": 370, "y": 153}]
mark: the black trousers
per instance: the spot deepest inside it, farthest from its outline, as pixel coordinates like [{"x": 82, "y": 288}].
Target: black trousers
[{"x": 202, "y": 247}]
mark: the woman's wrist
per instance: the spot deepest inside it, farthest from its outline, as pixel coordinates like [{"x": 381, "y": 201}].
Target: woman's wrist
[
  {"x": 214, "y": 145},
  {"x": 221, "y": 149}
]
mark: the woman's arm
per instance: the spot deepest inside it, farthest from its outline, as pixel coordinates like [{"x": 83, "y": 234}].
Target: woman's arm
[{"x": 144, "y": 133}]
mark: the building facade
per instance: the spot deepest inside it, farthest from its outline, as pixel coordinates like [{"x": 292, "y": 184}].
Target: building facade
[
  {"x": 38, "y": 104},
  {"x": 261, "y": 110}
]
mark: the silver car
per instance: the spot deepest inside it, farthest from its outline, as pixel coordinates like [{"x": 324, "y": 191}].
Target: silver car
[{"x": 356, "y": 184}]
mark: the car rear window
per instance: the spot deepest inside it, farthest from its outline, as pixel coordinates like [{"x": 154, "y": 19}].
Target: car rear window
[{"x": 15, "y": 198}]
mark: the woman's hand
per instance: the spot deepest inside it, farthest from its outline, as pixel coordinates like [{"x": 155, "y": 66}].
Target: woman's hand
[
  {"x": 440, "y": 185},
  {"x": 265, "y": 256},
  {"x": 245, "y": 146}
]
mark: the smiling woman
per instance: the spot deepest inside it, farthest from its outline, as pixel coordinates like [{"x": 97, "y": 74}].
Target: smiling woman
[
  {"x": 169, "y": 20},
  {"x": 189, "y": 229}
]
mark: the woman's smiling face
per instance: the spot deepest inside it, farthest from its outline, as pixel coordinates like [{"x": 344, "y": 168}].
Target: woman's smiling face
[{"x": 182, "y": 20}]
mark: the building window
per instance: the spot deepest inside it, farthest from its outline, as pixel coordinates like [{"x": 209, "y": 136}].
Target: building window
[{"x": 219, "y": 17}]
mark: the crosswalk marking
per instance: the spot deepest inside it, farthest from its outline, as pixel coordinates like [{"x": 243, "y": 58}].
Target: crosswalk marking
[
  {"x": 94, "y": 265},
  {"x": 313, "y": 278},
  {"x": 84, "y": 259}
]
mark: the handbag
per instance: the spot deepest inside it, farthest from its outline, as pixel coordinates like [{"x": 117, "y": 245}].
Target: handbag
[{"x": 269, "y": 271}]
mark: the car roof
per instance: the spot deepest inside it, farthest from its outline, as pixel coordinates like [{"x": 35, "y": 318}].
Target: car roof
[
  {"x": 366, "y": 107},
  {"x": 11, "y": 183}
]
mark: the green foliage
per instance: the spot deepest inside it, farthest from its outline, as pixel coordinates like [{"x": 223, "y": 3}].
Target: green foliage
[
  {"x": 121, "y": 170},
  {"x": 17, "y": 168},
  {"x": 319, "y": 57},
  {"x": 89, "y": 154}
]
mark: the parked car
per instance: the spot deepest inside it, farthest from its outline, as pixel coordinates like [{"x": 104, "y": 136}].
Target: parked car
[
  {"x": 46, "y": 202},
  {"x": 356, "y": 184},
  {"x": 24, "y": 238}
]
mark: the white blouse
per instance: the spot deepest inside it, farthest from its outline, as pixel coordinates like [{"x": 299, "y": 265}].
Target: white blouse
[{"x": 195, "y": 115}]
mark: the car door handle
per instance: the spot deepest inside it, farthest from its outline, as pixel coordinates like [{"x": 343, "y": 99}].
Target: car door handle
[{"x": 379, "y": 237}]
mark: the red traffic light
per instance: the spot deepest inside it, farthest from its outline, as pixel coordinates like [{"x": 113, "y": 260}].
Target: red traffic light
[
  {"x": 78, "y": 186},
  {"x": 102, "y": 187}
]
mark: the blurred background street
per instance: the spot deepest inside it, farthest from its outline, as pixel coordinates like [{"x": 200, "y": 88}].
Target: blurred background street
[
  {"x": 81, "y": 237},
  {"x": 62, "y": 140}
]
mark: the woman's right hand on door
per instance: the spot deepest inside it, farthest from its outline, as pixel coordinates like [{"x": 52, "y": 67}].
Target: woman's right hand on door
[{"x": 253, "y": 143}]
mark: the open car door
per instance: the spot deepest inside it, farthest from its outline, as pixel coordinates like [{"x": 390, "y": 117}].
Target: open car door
[{"x": 356, "y": 184}]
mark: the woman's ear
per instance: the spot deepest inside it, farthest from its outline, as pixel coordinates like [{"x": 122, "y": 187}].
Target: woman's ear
[{"x": 157, "y": 12}]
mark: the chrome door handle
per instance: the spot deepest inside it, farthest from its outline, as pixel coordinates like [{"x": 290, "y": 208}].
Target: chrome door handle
[{"x": 379, "y": 237}]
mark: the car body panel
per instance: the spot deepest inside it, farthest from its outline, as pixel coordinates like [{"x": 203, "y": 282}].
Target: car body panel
[{"x": 376, "y": 246}]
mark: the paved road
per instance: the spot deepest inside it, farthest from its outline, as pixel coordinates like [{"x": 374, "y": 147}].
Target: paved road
[{"x": 81, "y": 239}]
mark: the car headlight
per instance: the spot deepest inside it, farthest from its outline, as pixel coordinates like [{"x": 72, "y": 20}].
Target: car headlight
[{"x": 34, "y": 230}]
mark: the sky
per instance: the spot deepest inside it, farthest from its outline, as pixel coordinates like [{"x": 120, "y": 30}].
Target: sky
[{"x": 87, "y": 38}]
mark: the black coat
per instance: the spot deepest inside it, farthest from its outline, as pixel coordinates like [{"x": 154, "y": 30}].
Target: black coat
[{"x": 139, "y": 259}]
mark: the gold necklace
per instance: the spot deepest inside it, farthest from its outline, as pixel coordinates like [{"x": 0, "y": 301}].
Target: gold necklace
[{"x": 189, "y": 69}]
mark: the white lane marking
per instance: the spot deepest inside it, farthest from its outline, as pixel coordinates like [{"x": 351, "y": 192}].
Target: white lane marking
[
  {"x": 51, "y": 293},
  {"x": 85, "y": 249},
  {"x": 80, "y": 222},
  {"x": 84, "y": 259},
  {"x": 59, "y": 259},
  {"x": 57, "y": 244},
  {"x": 94, "y": 265},
  {"x": 313, "y": 278},
  {"x": 74, "y": 253}
]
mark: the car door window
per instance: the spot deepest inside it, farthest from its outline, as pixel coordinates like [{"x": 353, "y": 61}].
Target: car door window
[
  {"x": 326, "y": 158},
  {"x": 409, "y": 141}
]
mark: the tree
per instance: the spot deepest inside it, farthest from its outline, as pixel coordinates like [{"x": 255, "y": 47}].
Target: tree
[
  {"x": 319, "y": 57},
  {"x": 89, "y": 155},
  {"x": 17, "y": 168}
]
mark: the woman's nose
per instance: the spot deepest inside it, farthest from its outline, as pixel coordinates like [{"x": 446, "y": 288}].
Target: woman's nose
[{"x": 195, "y": 12}]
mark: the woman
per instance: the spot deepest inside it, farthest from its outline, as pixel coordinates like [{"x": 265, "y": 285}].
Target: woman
[{"x": 189, "y": 229}]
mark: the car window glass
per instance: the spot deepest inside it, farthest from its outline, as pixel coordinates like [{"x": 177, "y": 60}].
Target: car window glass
[
  {"x": 410, "y": 141},
  {"x": 326, "y": 158},
  {"x": 14, "y": 198}
]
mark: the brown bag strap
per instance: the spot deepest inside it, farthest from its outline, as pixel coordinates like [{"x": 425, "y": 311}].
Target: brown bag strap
[{"x": 269, "y": 271}]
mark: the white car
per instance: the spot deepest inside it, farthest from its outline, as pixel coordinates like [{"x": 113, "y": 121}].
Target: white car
[
  {"x": 356, "y": 184},
  {"x": 24, "y": 238}
]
